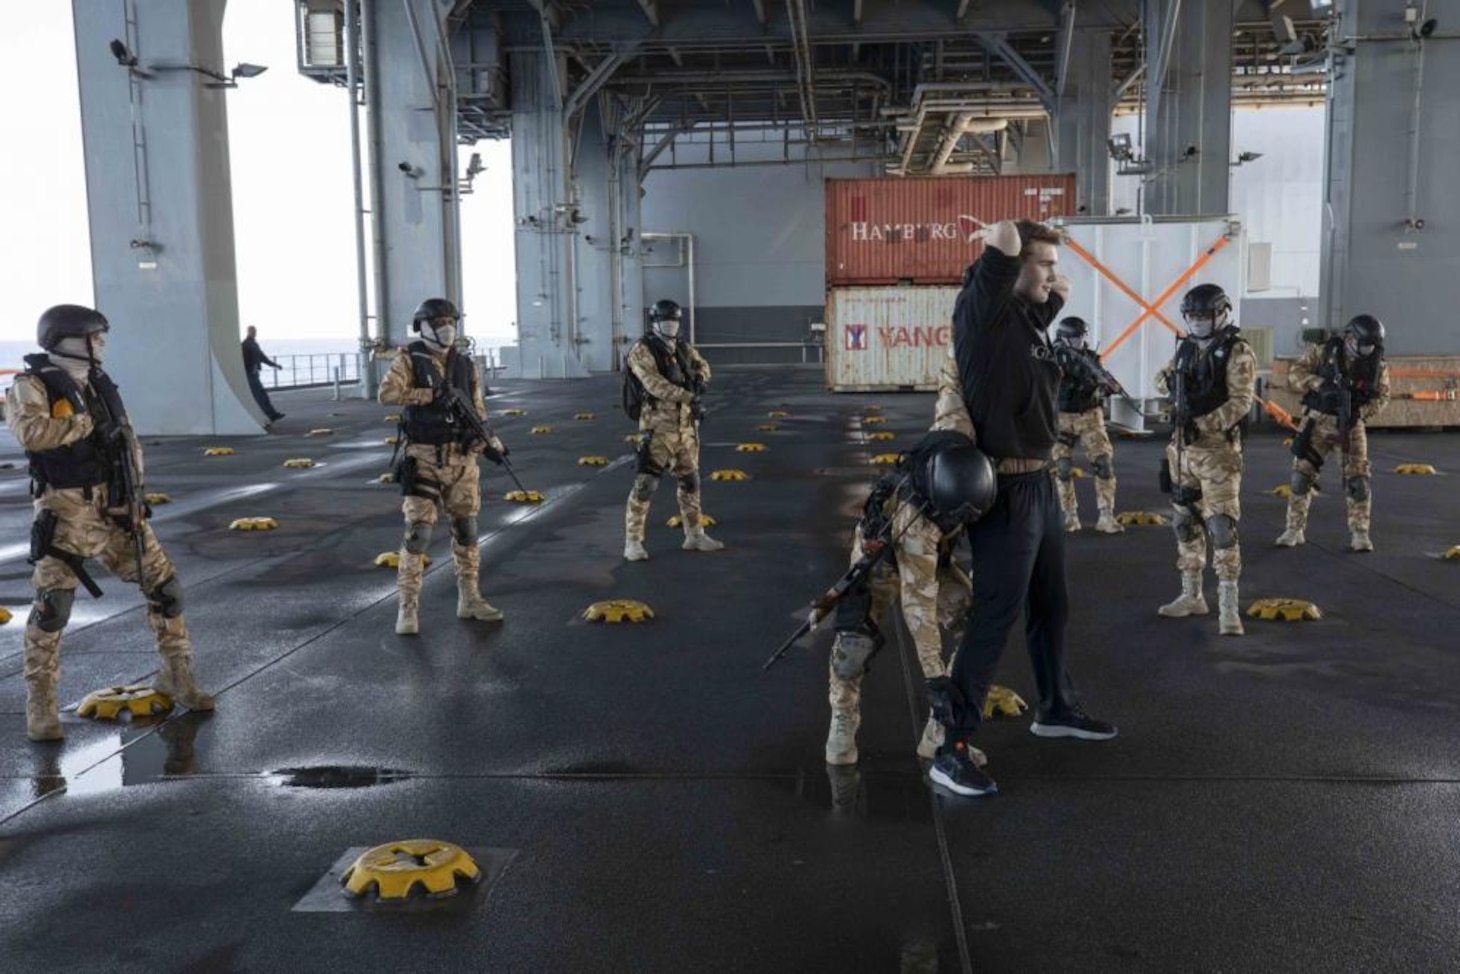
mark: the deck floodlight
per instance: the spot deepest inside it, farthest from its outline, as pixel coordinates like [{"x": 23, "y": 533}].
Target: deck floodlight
[{"x": 245, "y": 70}]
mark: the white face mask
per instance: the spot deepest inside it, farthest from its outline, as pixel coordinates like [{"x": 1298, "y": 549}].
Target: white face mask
[
  {"x": 667, "y": 327},
  {"x": 443, "y": 336},
  {"x": 74, "y": 355}
]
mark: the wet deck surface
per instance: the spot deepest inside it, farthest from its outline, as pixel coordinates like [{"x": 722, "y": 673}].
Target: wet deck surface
[{"x": 1285, "y": 801}]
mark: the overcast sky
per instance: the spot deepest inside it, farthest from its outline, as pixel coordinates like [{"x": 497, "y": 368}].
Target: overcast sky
[{"x": 279, "y": 123}]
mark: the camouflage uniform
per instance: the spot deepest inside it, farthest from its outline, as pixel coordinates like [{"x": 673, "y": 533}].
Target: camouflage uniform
[
  {"x": 446, "y": 475},
  {"x": 935, "y": 595},
  {"x": 1306, "y": 376},
  {"x": 1219, "y": 376},
  {"x": 1212, "y": 465},
  {"x": 1087, "y": 429},
  {"x": 84, "y": 528},
  {"x": 669, "y": 440},
  {"x": 950, "y": 412}
]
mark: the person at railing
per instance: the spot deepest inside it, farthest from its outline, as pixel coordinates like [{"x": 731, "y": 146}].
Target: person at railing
[{"x": 254, "y": 359}]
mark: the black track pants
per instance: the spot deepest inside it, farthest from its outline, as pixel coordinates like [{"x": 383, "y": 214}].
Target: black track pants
[{"x": 1018, "y": 564}]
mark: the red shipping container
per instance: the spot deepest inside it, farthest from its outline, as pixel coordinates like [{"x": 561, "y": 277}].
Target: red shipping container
[{"x": 916, "y": 230}]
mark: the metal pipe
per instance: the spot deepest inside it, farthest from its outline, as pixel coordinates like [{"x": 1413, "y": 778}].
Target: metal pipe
[
  {"x": 362, "y": 297},
  {"x": 1411, "y": 194},
  {"x": 690, "y": 238},
  {"x": 371, "y": 86}
]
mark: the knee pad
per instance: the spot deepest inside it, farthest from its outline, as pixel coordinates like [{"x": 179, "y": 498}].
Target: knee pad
[
  {"x": 52, "y": 609},
  {"x": 690, "y": 483},
  {"x": 166, "y": 599},
  {"x": 1301, "y": 482},
  {"x": 1224, "y": 530},
  {"x": 418, "y": 537},
  {"x": 1064, "y": 468},
  {"x": 853, "y": 649},
  {"x": 1104, "y": 468},
  {"x": 464, "y": 529},
  {"x": 1184, "y": 523},
  {"x": 1357, "y": 488},
  {"x": 644, "y": 486}
]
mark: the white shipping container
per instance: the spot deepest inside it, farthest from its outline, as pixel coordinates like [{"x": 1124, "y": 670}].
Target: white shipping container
[{"x": 887, "y": 338}]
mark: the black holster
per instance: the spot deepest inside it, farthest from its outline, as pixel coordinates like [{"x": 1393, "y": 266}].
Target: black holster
[
  {"x": 42, "y": 545},
  {"x": 1303, "y": 446},
  {"x": 405, "y": 474}
]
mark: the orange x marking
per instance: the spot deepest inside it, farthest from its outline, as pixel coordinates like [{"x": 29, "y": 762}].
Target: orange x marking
[{"x": 1162, "y": 298}]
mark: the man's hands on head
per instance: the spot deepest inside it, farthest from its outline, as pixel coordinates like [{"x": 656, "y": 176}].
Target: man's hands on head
[{"x": 1004, "y": 237}]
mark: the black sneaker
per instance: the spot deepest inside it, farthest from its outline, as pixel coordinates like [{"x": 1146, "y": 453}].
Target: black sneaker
[
  {"x": 954, "y": 769},
  {"x": 1074, "y": 722}
]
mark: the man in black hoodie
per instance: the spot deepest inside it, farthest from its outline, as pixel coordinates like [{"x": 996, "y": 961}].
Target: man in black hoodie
[
  {"x": 1010, "y": 383},
  {"x": 253, "y": 360}
]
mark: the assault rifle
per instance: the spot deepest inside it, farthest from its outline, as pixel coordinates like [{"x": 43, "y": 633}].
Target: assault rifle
[
  {"x": 1092, "y": 371},
  {"x": 872, "y": 553},
  {"x": 460, "y": 410},
  {"x": 124, "y": 486},
  {"x": 1181, "y": 425}
]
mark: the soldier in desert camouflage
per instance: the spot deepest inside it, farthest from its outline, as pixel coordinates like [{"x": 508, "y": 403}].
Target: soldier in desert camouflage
[
  {"x": 1082, "y": 421},
  {"x": 665, "y": 379},
  {"x": 1212, "y": 382},
  {"x": 438, "y": 465},
  {"x": 66, "y": 413},
  {"x": 1345, "y": 383}
]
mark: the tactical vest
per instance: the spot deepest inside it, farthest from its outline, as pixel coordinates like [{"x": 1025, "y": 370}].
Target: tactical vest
[
  {"x": 1362, "y": 373},
  {"x": 1079, "y": 392},
  {"x": 1205, "y": 373},
  {"x": 674, "y": 364},
  {"x": 84, "y": 463},
  {"x": 430, "y": 423}
]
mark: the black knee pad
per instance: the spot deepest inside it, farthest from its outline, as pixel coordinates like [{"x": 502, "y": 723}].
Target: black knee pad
[
  {"x": 166, "y": 599},
  {"x": 644, "y": 486},
  {"x": 418, "y": 537},
  {"x": 1185, "y": 524},
  {"x": 1357, "y": 488},
  {"x": 464, "y": 529},
  {"x": 690, "y": 483},
  {"x": 1064, "y": 468},
  {"x": 52, "y": 609},
  {"x": 1104, "y": 468},
  {"x": 1301, "y": 482},
  {"x": 1224, "y": 530}
]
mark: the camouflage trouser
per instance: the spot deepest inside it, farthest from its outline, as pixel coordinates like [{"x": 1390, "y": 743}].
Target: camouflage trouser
[
  {"x": 1088, "y": 430},
  {"x": 933, "y": 598},
  {"x": 665, "y": 448},
  {"x": 1217, "y": 473},
  {"x": 84, "y": 529},
  {"x": 456, "y": 485},
  {"x": 1356, "y": 474}
]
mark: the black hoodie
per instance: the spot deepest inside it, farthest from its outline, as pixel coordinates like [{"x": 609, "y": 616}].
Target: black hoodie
[{"x": 1005, "y": 364}]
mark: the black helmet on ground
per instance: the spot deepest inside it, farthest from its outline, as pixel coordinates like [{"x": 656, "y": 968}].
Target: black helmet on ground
[
  {"x": 68, "y": 321},
  {"x": 1071, "y": 329},
  {"x": 961, "y": 483},
  {"x": 431, "y": 309},
  {"x": 1367, "y": 333}
]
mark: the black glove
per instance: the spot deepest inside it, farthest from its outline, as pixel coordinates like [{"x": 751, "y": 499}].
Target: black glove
[
  {"x": 1191, "y": 431},
  {"x": 1329, "y": 401}
]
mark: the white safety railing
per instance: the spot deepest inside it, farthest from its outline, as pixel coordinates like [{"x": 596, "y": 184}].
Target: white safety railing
[{"x": 302, "y": 371}]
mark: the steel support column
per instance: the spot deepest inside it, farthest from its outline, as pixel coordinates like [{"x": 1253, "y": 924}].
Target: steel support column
[
  {"x": 411, "y": 96},
  {"x": 155, "y": 138},
  {"x": 1189, "y": 107},
  {"x": 1083, "y": 121},
  {"x": 1391, "y": 215}
]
